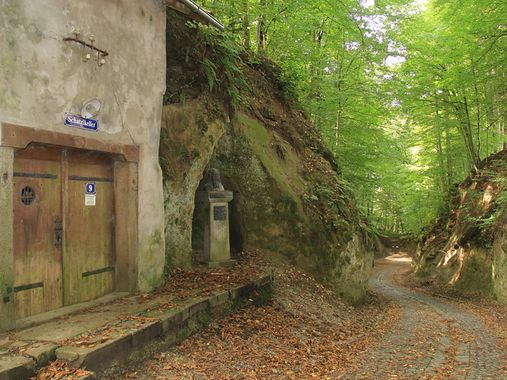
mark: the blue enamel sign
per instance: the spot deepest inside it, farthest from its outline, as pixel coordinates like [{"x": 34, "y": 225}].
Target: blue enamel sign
[
  {"x": 90, "y": 188},
  {"x": 81, "y": 122}
]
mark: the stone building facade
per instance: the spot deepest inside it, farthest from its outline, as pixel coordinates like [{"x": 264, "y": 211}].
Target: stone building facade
[{"x": 81, "y": 205}]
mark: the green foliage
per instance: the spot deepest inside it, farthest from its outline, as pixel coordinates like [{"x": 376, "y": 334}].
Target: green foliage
[
  {"x": 209, "y": 59},
  {"x": 499, "y": 208},
  {"x": 408, "y": 98},
  {"x": 333, "y": 207},
  {"x": 211, "y": 73},
  {"x": 223, "y": 63}
]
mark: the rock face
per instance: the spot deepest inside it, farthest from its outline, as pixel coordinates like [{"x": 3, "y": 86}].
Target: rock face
[
  {"x": 288, "y": 198},
  {"x": 468, "y": 248}
]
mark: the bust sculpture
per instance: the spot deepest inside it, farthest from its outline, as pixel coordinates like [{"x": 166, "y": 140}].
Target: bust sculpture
[{"x": 212, "y": 180}]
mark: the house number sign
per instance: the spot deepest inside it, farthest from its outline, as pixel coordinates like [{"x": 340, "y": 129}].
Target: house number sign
[{"x": 90, "y": 194}]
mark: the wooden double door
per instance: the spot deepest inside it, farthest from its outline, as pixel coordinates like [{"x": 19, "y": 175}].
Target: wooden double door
[{"x": 63, "y": 228}]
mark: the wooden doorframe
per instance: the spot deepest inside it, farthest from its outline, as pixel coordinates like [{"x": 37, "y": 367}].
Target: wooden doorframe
[
  {"x": 17, "y": 136},
  {"x": 126, "y": 158}
]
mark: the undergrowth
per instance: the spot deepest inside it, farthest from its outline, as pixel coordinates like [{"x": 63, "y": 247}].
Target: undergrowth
[{"x": 222, "y": 62}]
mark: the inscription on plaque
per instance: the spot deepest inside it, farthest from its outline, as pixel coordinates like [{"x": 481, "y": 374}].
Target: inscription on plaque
[{"x": 219, "y": 213}]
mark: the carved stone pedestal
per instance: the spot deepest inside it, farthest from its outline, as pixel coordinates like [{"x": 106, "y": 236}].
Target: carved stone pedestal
[{"x": 217, "y": 251}]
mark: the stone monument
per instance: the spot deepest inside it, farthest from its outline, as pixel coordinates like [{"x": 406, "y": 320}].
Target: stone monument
[{"x": 217, "y": 251}]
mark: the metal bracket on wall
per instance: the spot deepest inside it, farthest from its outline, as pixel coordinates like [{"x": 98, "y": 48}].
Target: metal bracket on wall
[
  {"x": 97, "y": 271},
  {"x": 35, "y": 285},
  {"x": 7, "y": 298},
  {"x": 101, "y": 54}
]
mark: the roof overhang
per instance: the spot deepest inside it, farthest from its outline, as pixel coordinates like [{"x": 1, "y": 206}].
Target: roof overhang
[{"x": 194, "y": 11}]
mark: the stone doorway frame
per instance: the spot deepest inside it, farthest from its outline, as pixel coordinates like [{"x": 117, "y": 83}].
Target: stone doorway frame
[{"x": 126, "y": 158}]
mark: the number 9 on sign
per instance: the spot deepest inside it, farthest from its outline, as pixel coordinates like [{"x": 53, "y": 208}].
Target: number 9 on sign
[{"x": 90, "y": 188}]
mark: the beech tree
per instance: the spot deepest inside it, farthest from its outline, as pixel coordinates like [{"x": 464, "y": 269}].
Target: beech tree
[{"x": 409, "y": 95}]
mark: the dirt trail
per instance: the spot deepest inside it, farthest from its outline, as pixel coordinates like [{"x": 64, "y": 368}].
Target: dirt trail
[{"x": 434, "y": 339}]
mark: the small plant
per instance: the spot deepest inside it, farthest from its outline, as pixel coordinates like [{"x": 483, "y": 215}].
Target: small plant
[
  {"x": 499, "y": 207},
  {"x": 220, "y": 56},
  {"x": 211, "y": 73}
]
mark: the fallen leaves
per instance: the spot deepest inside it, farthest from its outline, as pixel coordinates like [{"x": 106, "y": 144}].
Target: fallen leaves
[
  {"x": 202, "y": 281},
  {"x": 305, "y": 333},
  {"x": 60, "y": 370}
]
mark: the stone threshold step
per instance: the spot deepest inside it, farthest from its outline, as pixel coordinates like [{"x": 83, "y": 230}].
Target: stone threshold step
[{"x": 172, "y": 327}]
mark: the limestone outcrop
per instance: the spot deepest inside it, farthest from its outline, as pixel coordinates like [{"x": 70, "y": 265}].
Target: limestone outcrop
[
  {"x": 467, "y": 248},
  {"x": 288, "y": 197}
]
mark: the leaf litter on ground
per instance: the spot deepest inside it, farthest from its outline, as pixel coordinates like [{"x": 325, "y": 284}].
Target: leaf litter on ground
[{"x": 305, "y": 331}]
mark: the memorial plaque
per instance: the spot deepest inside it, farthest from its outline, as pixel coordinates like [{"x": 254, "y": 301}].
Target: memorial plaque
[{"x": 219, "y": 213}]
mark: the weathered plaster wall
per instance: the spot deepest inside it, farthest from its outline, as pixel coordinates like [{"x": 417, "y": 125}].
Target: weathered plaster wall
[
  {"x": 6, "y": 242},
  {"x": 42, "y": 78}
]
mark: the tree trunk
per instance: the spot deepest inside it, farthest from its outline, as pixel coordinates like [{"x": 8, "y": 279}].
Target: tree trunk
[
  {"x": 337, "y": 131},
  {"x": 478, "y": 114},
  {"x": 502, "y": 144},
  {"x": 469, "y": 134},
  {"x": 261, "y": 28},
  {"x": 448, "y": 156},
  {"x": 440, "y": 152},
  {"x": 465, "y": 124},
  {"x": 246, "y": 25}
]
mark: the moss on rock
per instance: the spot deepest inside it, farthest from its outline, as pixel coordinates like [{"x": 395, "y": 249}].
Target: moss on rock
[{"x": 288, "y": 197}]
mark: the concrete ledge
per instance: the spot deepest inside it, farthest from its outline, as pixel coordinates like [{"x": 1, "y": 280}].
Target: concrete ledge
[
  {"x": 96, "y": 359},
  {"x": 198, "y": 307},
  {"x": 218, "y": 299},
  {"x": 171, "y": 327},
  {"x": 14, "y": 368},
  {"x": 42, "y": 353},
  {"x": 40, "y": 318}
]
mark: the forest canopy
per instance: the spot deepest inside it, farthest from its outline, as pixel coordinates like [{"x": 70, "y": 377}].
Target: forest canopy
[{"x": 408, "y": 95}]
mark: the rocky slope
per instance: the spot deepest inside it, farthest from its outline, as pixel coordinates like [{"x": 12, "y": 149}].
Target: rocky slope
[
  {"x": 229, "y": 111},
  {"x": 468, "y": 247}
]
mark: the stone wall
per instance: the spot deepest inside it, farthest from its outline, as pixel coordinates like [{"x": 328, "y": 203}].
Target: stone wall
[{"x": 42, "y": 78}]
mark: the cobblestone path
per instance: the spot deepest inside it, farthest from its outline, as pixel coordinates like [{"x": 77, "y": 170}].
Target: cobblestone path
[{"x": 433, "y": 340}]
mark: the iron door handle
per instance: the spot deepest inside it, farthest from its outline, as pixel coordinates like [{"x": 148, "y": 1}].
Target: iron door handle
[{"x": 58, "y": 232}]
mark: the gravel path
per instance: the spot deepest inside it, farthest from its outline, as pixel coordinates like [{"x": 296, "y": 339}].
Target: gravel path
[{"x": 433, "y": 340}]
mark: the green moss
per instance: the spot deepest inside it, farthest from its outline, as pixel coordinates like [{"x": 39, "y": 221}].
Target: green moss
[
  {"x": 260, "y": 143},
  {"x": 10, "y": 8},
  {"x": 202, "y": 125}
]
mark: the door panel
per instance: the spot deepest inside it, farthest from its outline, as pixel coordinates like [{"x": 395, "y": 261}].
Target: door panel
[
  {"x": 88, "y": 255},
  {"x": 37, "y": 249}
]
